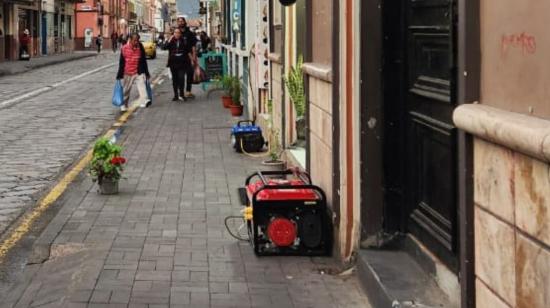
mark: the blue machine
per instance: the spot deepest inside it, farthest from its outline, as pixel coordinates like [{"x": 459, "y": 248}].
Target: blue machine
[{"x": 247, "y": 137}]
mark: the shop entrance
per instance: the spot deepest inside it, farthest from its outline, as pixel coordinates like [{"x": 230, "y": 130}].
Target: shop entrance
[{"x": 416, "y": 185}]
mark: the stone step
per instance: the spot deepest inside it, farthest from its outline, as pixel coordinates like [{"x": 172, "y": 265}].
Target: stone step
[{"x": 394, "y": 279}]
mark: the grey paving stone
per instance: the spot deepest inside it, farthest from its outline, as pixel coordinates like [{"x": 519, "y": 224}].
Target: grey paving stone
[
  {"x": 200, "y": 299},
  {"x": 120, "y": 297},
  {"x": 100, "y": 296},
  {"x": 154, "y": 275}
]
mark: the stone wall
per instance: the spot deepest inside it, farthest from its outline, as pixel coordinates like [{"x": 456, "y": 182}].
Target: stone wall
[
  {"x": 514, "y": 51},
  {"x": 512, "y": 228},
  {"x": 320, "y": 133},
  {"x": 512, "y": 206}
]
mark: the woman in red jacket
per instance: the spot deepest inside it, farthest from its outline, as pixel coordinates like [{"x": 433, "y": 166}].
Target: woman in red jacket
[
  {"x": 24, "y": 41},
  {"x": 132, "y": 69}
]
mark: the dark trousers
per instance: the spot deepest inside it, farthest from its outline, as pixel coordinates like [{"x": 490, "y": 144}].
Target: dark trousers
[
  {"x": 23, "y": 48},
  {"x": 178, "y": 80},
  {"x": 190, "y": 73}
]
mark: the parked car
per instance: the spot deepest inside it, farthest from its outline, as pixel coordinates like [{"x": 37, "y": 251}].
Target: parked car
[{"x": 149, "y": 43}]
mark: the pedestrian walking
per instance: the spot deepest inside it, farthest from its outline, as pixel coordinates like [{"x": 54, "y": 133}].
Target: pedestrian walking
[
  {"x": 205, "y": 43},
  {"x": 114, "y": 40},
  {"x": 132, "y": 69},
  {"x": 24, "y": 41},
  {"x": 161, "y": 42},
  {"x": 179, "y": 62},
  {"x": 189, "y": 38},
  {"x": 122, "y": 39},
  {"x": 98, "y": 42}
]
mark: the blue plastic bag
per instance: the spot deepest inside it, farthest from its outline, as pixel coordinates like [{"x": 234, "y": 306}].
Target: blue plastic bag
[
  {"x": 118, "y": 94},
  {"x": 149, "y": 92}
]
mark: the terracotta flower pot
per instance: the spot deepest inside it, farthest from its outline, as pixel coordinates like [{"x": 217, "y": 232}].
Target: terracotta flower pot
[
  {"x": 236, "y": 110},
  {"x": 227, "y": 101}
]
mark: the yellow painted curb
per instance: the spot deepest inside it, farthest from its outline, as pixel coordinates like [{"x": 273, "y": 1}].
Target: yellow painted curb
[{"x": 29, "y": 218}]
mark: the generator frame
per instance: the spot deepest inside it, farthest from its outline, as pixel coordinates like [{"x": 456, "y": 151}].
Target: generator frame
[{"x": 262, "y": 209}]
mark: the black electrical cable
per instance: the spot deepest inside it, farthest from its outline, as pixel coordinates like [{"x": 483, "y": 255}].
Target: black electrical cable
[{"x": 238, "y": 237}]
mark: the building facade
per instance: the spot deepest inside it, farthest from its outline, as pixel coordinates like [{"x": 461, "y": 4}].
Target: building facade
[
  {"x": 50, "y": 24},
  {"x": 16, "y": 17},
  {"x": 427, "y": 126},
  {"x": 57, "y": 23},
  {"x": 102, "y": 18}
]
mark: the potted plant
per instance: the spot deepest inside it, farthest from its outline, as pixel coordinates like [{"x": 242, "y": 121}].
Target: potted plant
[
  {"x": 226, "y": 84},
  {"x": 274, "y": 162},
  {"x": 295, "y": 84},
  {"x": 236, "y": 107},
  {"x": 106, "y": 166}
]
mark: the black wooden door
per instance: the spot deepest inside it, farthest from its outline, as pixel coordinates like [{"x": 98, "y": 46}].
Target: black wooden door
[{"x": 430, "y": 172}]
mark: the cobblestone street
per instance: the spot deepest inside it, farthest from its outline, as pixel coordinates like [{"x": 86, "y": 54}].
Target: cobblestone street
[
  {"x": 161, "y": 242},
  {"x": 43, "y": 134}
]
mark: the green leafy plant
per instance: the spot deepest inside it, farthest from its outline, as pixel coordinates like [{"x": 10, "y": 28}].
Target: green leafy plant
[
  {"x": 226, "y": 82},
  {"x": 107, "y": 162},
  {"x": 294, "y": 82},
  {"x": 236, "y": 91}
]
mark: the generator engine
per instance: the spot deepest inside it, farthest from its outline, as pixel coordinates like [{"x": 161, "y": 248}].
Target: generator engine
[
  {"x": 287, "y": 215},
  {"x": 247, "y": 137}
]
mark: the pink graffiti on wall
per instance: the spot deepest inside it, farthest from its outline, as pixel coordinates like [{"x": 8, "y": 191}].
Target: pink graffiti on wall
[{"x": 523, "y": 41}]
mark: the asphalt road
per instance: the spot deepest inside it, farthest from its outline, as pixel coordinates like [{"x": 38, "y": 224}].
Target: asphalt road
[{"x": 48, "y": 118}]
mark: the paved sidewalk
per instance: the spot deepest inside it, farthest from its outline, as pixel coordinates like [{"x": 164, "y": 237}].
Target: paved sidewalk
[
  {"x": 17, "y": 67},
  {"x": 69, "y": 110},
  {"x": 161, "y": 242}
]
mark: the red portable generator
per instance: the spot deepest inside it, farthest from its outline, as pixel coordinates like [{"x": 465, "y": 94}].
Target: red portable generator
[{"x": 287, "y": 215}]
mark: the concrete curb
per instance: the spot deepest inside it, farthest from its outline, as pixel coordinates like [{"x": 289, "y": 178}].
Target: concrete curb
[{"x": 32, "y": 66}]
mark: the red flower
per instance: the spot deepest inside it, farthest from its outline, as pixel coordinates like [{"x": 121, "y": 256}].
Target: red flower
[{"x": 118, "y": 160}]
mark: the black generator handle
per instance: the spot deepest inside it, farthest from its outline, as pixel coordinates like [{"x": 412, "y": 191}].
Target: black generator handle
[
  {"x": 315, "y": 188},
  {"x": 302, "y": 175},
  {"x": 245, "y": 121}
]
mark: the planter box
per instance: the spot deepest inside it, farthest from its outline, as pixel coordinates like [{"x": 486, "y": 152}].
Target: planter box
[{"x": 108, "y": 187}]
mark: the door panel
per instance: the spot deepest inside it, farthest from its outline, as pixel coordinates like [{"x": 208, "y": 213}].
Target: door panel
[
  {"x": 433, "y": 178},
  {"x": 430, "y": 135}
]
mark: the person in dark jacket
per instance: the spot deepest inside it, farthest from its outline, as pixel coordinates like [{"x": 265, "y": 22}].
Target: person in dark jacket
[
  {"x": 205, "y": 43},
  {"x": 179, "y": 62},
  {"x": 114, "y": 40},
  {"x": 132, "y": 69},
  {"x": 98, "y": 42},
  {"x": 189, "y": 38}
]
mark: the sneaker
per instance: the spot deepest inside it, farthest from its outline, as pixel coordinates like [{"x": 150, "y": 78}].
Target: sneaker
[
  {"x": 189, "y": 95},
  {"x": 176, "y": 98},
  {"x": 148, "y": 104},
  {"x": 143, "y": 105},
  {"x": 123, "y": 108},
  {"x": 182, "y": 98}
]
